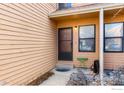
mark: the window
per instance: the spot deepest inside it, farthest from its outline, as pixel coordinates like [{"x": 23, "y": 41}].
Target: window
[
  {"x": 64, "y": 5},
  {"x": 113, "y": 37},
  {"x": 87, "y": 38}
]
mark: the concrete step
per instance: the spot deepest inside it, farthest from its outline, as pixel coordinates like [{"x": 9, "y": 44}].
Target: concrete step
[{"x": 68, "y": 64}]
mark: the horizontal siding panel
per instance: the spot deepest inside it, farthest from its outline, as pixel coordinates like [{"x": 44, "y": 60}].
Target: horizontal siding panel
[
  {"x": 19, "y": 18},
  {"x": 22, "y": 38},
  {"x": 5, "y": 61},
  {"x": 17, "y": 68},
  {"x": 22, "y": 26},
  {"x": 20, "y": 9},
  {"x": 32, "y": 74},
  {"x": 22, "y": 54},
  {"x": 27, "y": 42},
  {"x": 29, "y": 71},
  {"x": 113, "y": 60},
  {"x": 12, "y": 42},
  {"x": 17, "y": 63},
  {"x": 28, "y": 17},
  {"x": 22, "y": 46}
]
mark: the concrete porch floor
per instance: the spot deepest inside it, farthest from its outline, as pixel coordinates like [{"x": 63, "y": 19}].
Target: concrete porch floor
[{"x": 60, "y": 78}]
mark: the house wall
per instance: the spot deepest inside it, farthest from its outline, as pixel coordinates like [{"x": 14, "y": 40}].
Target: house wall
[
  {"x": 76, "y": 22},
  {"x": 113, "y": 60},
  {"x": 80, "y": 4},
  {"x": 75, "y": 5},
  {"x": 27, "y": 42}
]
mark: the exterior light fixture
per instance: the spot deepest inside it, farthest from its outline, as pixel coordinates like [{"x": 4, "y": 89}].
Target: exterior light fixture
[{"x": 75, "y": 28}]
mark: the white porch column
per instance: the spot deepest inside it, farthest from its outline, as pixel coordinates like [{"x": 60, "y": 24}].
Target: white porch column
[{"x": 101, "y": 46}]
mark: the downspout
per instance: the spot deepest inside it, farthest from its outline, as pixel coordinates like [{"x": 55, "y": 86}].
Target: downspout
[{"x": 101, "y": 44}]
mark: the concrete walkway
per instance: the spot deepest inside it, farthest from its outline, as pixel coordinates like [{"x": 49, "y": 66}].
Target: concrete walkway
[{"x": 59, "y": 78}]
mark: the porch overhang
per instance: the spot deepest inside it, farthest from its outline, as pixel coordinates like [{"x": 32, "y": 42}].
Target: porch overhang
[{"x": 84, "y": 10}]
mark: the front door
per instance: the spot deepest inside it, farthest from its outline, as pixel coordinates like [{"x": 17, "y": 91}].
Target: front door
[{"x": 65, "y": 44}]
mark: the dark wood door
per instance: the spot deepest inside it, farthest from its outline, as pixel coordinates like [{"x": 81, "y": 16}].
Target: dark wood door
[{"x": 65, "y": 44}]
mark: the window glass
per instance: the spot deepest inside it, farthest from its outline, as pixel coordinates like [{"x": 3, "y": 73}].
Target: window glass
[
  {"x": 86, "y": 32},
  {"x": 87, "y": 45},
  {"x": 86, "y": 37},
  {"x": 64, "y": 5},
  {"x": 114, "y": 30},
  {"x": 113, "y": 44}
]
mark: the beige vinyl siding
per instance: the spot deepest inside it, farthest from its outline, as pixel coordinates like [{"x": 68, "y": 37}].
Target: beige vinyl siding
[
  {"x": 27, "y": 42},
  {"x": 80, "y": 4}
]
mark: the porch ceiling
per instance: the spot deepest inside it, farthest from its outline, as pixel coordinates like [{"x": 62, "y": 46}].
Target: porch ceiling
[
  {"x": 85, "y": 12},
  {"x": 119, "y": 11}
]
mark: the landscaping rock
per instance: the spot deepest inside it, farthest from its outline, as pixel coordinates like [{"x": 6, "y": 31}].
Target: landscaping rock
[{"x": 77, "y": 79}]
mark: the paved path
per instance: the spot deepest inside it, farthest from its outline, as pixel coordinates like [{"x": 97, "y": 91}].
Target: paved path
[{"x": 60, "y": 78}]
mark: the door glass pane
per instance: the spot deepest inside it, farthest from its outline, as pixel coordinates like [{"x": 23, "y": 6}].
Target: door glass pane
[
  {"x": 114, "y": 30},
  {"x": 87, "y": 31},
  {"x": 62, "y": 34},
  {"x": 65, "y": 46},
  {"x": 114, "y": 44},
  {"x": 68, "y": 33},
  {"x": 65, "y": 34},
  {"x": 87, "y": 45}
]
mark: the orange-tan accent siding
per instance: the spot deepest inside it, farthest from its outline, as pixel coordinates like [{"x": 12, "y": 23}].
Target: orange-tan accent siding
[
  {"x": 27, "y": 42},
  {"x": 76, "y": 22},
  {"x": 113, "y": 60}
]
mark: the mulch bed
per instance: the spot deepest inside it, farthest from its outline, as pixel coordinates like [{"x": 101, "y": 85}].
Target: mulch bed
[{"x": 40, "y": 79}]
